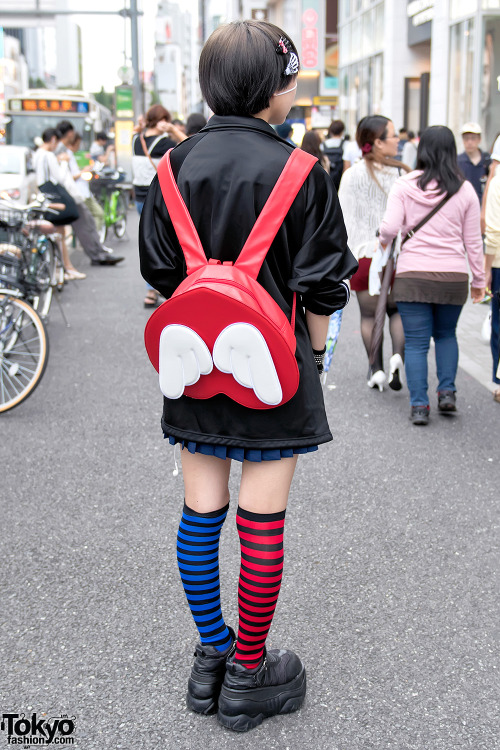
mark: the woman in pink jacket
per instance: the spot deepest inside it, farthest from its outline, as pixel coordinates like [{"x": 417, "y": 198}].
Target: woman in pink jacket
[{"x": 431, "y": 284}]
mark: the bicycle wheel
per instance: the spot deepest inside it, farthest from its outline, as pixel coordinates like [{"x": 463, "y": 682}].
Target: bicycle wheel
[
  {"x": 120, "y": 225},
  {"x": 24, "y": 351},
  {"x": 42, "y": 271}
]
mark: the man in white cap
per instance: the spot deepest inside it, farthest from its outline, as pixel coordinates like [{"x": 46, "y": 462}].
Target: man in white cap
[{"x": 473, "y": 162}]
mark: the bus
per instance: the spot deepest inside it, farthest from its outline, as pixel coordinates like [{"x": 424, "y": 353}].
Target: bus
[{"x": 27, "y": 116}]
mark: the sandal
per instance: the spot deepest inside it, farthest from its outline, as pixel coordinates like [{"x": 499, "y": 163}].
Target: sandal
[
  {"x": 71, "y": 274},
  {"x": 151, "y": 299},
  {"x": 496, "y": 395}
]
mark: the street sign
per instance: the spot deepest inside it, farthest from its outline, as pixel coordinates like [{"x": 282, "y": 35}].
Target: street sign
[
  {"x": 325, "y": 101},
  {"x": 124, "y": 102}
]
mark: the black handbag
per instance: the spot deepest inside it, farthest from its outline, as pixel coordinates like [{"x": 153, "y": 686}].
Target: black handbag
[{"x": 58, "y": 194}]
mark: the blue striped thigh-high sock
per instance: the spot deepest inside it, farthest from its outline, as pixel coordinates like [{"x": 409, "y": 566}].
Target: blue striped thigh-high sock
[{"x": 198, "y": 560}]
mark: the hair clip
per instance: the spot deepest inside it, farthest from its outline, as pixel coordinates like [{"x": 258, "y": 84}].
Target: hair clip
[
  {"x": 282, "y": 48},
  {"x": 293, "y": 65},
  {"x": 366, "y": 148}
]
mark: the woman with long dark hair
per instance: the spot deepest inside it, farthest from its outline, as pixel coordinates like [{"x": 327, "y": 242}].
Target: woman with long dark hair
[
  {"x": 311, "y": 143},
  {"x": 363, "y": 193},
  {"x": 431, "y": 284}
]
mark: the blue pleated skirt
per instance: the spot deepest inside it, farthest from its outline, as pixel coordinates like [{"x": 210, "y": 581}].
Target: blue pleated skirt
[{"x": 239, "y": 454}]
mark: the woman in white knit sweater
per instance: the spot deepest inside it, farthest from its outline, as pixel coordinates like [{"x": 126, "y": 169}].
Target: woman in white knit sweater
[{"x": 363, "y": 197}]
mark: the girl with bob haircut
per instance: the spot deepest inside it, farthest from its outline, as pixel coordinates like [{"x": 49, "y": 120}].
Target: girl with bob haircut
[
  {"x": 431, "y": 283},
  {"x": 363, "y": 193},
  {"x": 225, "y": 173}
]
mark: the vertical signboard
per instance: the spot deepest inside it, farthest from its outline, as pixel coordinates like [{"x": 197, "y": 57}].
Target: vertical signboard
[{"x": 310, "y": 47}]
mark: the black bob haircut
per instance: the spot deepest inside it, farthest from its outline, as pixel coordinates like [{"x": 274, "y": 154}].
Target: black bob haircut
[
  {"x": 437, "y": 158},
  {"x": 240, "y": 69},
  {"x": 50, "y": 133}
]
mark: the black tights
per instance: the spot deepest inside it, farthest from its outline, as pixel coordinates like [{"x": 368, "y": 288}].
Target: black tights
[{"x": 367, "y": 307}]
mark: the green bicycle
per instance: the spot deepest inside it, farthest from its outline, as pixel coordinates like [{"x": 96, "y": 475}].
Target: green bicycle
[{"x": 113, "y": 196}]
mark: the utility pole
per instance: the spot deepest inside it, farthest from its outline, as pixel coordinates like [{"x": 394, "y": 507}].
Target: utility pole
[{"x": 137, "y": 89}]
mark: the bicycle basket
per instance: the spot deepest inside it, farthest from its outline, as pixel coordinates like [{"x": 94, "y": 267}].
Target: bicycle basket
[
  {"x": 10, "y": 264},
  {"x": 10, "y": 218}
]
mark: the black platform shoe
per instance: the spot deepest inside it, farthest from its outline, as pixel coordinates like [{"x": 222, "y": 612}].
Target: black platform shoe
[
  {"x": 207, "y": 676},
  {"x": 248, "y": 696}
]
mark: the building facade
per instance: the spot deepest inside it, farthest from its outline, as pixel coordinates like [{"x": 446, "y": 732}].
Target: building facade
[
  {"x": 50, "y": 44},
  {"x": 421, "y": 62},
  {"x": 178, "y": 44}
]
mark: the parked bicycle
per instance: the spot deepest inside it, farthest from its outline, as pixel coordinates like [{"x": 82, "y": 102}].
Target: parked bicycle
[
  {"x": 112, "y": 193},
  {"x": 30, "y": 256},
  {"x": 24, "y": 349}
]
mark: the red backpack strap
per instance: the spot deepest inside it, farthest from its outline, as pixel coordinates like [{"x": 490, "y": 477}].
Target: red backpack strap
[
  {"x": 273, "y": 214},
  {"x": 183, "y": 224}
]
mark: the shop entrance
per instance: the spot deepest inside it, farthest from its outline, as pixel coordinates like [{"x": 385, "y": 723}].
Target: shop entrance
[{"x": 416, "y": 103}]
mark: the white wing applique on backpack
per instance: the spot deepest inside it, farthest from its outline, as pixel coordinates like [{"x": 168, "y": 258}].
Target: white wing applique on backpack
[
  {"x": 241, "y": 351},
  {"x": 184, "y": 357}
]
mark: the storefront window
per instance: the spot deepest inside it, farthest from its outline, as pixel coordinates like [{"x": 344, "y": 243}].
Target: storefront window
[
  {"x": 461, "y": 74},
  {"x": 461, "y": 8},
  {"x": 379, "y": 26},
  {"x": 377, "y": 84},
  {"x": 490, "y": 80},
  {"x": 368, "y": 37}
]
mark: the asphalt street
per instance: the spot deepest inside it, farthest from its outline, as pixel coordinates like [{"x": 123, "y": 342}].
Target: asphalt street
[{"x": 390, "y": 593}]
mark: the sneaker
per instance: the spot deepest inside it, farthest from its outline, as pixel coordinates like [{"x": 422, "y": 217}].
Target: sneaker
[
  {"x": 447, "y": 401},
  {"x": 207, "y": 676},
  {"x": 419, "y": 414},
  {"x": 248, "y": 696}
]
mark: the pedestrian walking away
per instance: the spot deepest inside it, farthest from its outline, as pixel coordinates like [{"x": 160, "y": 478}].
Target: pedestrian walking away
[
  {"x": 148, "y": 146},
  {"x": 248, "y": 76},
  {"x": 492, "y": 268},
  {"x": 438, "y": 213},
  {"x": 334, "y": 148},
  {"x": 363, "y": 193}
]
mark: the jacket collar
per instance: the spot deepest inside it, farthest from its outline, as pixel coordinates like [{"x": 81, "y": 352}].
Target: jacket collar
[{"x": 233, "y": 122}]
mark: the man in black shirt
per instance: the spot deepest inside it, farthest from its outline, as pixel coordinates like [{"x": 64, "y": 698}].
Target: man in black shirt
[{"x": 473, "y": 162}]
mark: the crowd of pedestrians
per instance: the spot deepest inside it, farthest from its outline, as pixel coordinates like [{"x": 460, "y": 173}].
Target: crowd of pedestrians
[
  {"x": 390, "y": 186},
  {"x": 58, "y": 175}
]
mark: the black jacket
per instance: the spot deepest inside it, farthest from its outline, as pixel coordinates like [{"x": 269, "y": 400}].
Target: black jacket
[{"x": 225, "y": 174}]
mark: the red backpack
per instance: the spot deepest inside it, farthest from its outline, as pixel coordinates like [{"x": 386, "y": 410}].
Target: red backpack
[{"x": 221, "y": 332}]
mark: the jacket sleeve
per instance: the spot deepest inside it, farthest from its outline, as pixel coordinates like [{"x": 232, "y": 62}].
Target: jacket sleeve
[
  {"x": 323, "y": 262},
  {"x": 394, "y": 216},
  {"x": 472, "y": 237},
  {"x": 161, "y": 257}
]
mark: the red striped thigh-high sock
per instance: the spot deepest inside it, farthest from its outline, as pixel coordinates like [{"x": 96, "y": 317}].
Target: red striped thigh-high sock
[{"x": 261, "y": 540}]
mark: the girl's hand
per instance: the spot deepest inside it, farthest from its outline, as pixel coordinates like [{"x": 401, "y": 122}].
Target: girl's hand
[{"x": 477, "y": 294}]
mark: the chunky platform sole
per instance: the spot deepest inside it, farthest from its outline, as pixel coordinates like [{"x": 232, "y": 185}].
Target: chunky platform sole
[
  {"x": 205, "y": 706},
  {"x": 242, "y": 710}
]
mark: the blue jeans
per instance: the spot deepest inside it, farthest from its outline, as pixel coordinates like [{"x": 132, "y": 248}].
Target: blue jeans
[
  {"x": 495, "y": 320},
  {"x": 422, "y": 320}
]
